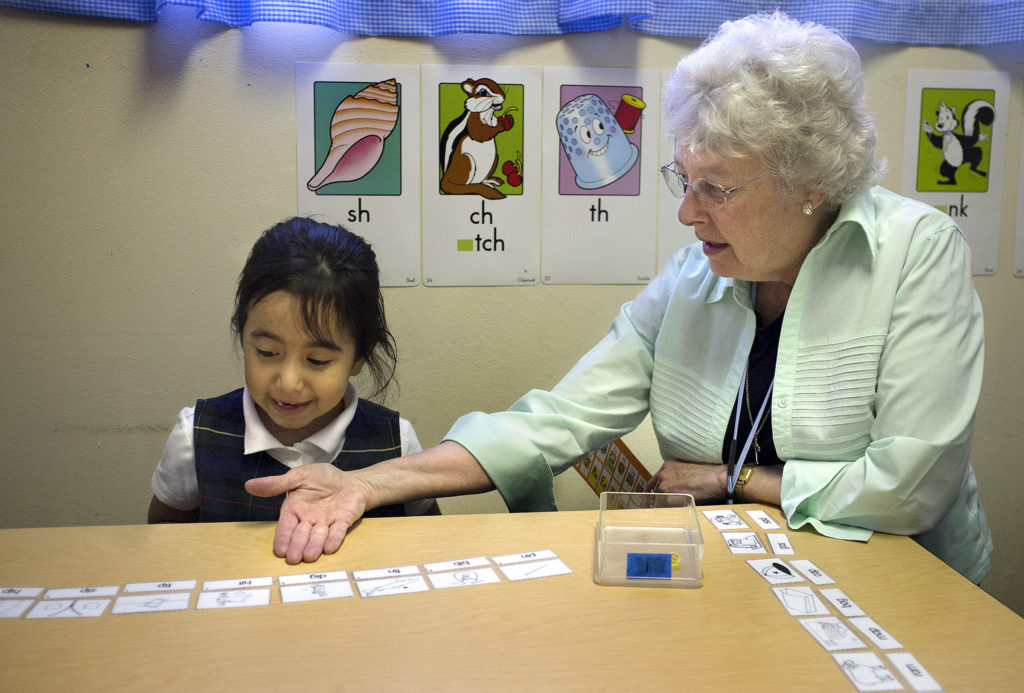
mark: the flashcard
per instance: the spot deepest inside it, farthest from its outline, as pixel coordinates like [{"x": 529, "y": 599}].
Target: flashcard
[
  {"x": 800, "y": 601},
  {"x": 224, "y": 585},
  {"x": 306, "y": 578},
  {"x": 231, "y": 598},
  {"x": 867, "y": 672},
  {"x": 876, "y": 633},
  {"x": 393, "y": 585},
  {"x": 915, "y": 674},
  {"x": 541, "y": 569},
  {"x": 166, "y": 586},
  {"x": 149, "y": 603},
  {"x": 725, "y": 519},
  {"x": 528, "y": 556},
  {"x": 762, "y": 519},
  {"x": 69, "y": 608},
  {"x": 14, "y": 608},
  {"x": 405, "y": 570},
  {"x": 813, "y": 572},
  {"x": 460, "y": 564},
  {"x": 774, "y": 570},
  {"x": 11, "y": 592},
  {"x": 831, "y": 633},
  {"x": 846, "y": 606},
  {"x": 743, "y": 542},
  {"x": 76, "y": 592},
  {"x": 464, "y": 578},
  {"x": 780, "y": 543},
  {"x": 314, "y": 591}
]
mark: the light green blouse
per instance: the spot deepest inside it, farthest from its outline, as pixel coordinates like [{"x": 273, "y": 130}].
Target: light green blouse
[{"x": 876, "y": 383}]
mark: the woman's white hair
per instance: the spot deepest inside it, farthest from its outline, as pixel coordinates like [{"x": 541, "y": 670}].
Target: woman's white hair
[{"x": 790, "y": 94}]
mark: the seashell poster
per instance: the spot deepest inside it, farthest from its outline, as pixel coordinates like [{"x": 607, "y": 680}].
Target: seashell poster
[
  {"x": 480, "y": 175},
  {"x": 357, "y": 165},
  {"x": 600, "y": 175}
]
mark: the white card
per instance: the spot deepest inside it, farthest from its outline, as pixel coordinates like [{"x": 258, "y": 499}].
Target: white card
[
  {"x": 461, "y": 564},
  {"x": 780, "y": 543},
  {"x": 762, "y": 519},
  {"x": 846, "y": 606},
  {"x": 404, "y": 571},
  {"x": 913, "y": 672},
  {"x": 227, "y": 599},
  {"x": 876, "y": 633},
  {"x": 464, "y": 578},
  {"x": 393, "y": 585},
  {"x": 69, "y": 608},
  {"x": 743, "y": 542},
  {"x": 150, "y": 603},
  {"x": 165, "y": 586},
  {"x": 813, "y": 572},
  {"x": 867, "y": 672},
  {"x": 14, "y": 608},
  {"x": 725, "y": 519},
  {"x": 306, "y": 578},
  {"x": 800, "y": 601},
  {"x": 527, "y": 556},
  {"x": 243, "y": 583},
  {"x": 79, "y": 592},
  {"x": 831, "y": 633},
  {"x": 775, "y": 570},
  {"x": 540, "y": 569},
  {"x": 11, "y": 592},
  {"x": 313, "y": 591}
]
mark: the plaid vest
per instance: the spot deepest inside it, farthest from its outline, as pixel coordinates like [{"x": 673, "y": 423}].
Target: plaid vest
[{"x": 222, "y": 466}]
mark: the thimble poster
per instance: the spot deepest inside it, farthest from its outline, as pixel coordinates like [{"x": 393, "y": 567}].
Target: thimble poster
[
  {"x": 600, "y": 148},
  {"x": 481, "y": 175},
  {"x": 955, "y": 137},
  {"x": 358, "y": 157}
]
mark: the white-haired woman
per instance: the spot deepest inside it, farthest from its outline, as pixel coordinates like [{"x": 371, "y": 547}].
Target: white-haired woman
[{"x": 819, "y": 348}]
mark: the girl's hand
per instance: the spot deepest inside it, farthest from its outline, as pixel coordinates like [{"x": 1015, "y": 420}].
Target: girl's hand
[
  {"x": 322, "y": 503},
  {"x": 705, "y": 482}
]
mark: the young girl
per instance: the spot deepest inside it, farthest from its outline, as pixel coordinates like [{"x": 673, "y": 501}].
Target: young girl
[{"x": 309, "y": 315}]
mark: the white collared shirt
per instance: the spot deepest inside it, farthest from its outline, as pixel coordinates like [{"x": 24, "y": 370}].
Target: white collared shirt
[{"x": 175, "y": 482}]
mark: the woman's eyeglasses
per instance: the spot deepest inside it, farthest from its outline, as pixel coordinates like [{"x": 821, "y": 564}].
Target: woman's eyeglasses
[{"x": 711, "y": 196}]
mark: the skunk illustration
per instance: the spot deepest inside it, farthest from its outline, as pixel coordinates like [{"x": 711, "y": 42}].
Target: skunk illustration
[{"x": 958, "y": 150}]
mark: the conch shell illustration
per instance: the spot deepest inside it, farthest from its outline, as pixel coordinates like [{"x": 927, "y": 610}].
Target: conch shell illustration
[{"x": 359, "y": 127}]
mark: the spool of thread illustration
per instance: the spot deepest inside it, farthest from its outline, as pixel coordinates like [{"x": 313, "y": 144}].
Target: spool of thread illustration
[
  {"x": 594, "y": 142},
  {"x": 628, "y": 113}
]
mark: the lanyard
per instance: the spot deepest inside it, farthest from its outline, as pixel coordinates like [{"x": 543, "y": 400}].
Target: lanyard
[{"x": 736, "y": 465}]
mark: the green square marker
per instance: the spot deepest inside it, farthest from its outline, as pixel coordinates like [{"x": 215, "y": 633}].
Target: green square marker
[{"x": 464, "y": 244}]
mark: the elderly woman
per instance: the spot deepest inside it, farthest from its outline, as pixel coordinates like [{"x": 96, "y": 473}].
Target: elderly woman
[{"x": 822, "y": 339}]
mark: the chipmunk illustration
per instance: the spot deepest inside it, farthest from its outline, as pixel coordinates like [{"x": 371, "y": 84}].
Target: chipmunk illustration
[
  {"x": 959, "y": 149},
  {"x": 469, "y": 155}
]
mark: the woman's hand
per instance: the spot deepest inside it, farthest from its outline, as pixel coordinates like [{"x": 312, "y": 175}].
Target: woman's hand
[{"x": 705, "y": 482}]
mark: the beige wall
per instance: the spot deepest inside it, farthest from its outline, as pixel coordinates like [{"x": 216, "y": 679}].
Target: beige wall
[{"x": 139, "y": 163}]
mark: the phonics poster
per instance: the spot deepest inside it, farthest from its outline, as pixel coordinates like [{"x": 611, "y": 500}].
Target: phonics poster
[{"x": 358, "y": 157}]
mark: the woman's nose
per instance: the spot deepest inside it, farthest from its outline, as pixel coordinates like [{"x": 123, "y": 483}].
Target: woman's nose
[{"x": 690, "y": 209}]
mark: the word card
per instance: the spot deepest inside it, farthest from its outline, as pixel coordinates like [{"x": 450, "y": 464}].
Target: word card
[
  {"x": 813, "y": 572},
  {"x": 915, "y": 674},
  {"x": 876, "y": 634},
  {"x": 867, "y": 672},
  {"x": 780, "y": 543},
  {"x": 76, "y": 592},
  {"x": 460, "y": 564},
  {"x": 528, "y": 556},
  {"x": 222, "y": 585},
  {"x": 306, "y": 578},
  {"x": 846, "y": 606},
  {"x": 10, "y": 592},
  {"x": 762, "y": 519},
  {"x": 405, "y": 570},
  {"x": 166, "y": 586}
]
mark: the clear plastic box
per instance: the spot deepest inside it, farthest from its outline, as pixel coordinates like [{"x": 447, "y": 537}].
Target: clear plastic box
[{"x": 648, "y": 540}]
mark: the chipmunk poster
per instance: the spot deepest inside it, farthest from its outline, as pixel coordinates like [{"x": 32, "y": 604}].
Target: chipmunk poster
[
  {"x": 955, "y": 136},
  {"x": 600, "y": 132},
  {"x": 480, "y": 175},
  {"x": 358, "y": 157}
]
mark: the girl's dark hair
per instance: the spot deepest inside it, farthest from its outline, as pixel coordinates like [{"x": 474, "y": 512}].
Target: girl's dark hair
[{"x": 333, "y": 273}]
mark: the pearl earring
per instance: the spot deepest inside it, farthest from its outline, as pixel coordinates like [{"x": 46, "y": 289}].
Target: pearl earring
[{"x": 808, "y": 208}]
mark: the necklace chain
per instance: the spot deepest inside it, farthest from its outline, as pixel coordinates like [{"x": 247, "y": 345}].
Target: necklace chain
[{"x": 750, "y": 416}]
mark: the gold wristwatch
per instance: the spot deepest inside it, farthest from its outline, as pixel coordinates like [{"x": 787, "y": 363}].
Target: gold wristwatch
[{"x": 742, "y": 480}]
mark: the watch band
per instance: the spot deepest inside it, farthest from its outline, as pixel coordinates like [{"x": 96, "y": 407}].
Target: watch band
[{"x": 742, "y": 480}]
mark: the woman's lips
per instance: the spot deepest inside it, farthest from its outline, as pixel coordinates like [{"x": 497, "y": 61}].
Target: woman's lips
[{"x": 714, "y": 248}]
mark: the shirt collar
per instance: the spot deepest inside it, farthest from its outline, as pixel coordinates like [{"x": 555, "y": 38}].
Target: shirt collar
[{"x": 328, "y": 439}]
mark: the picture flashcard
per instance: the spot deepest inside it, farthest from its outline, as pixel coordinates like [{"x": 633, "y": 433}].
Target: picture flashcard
[
  {"x": 536, "y": 569},
  {"x": 385, "y": 587},
  {"x": 801, "y": 601},
  {"x": 315, "y": 591},
  {"x": 867, "y": 672},
  {"x": 725, "y": 519},
  {"x": 743, "y": 542},
  {"x": 775, "y": 570},
  {"x": 228, "y": 599},
  {"x": 466, "y": 577},
  {"x": 14, "y": 608},
  {"x": 832, "y": 634},
  {"x": 151, "y": 603},
  {"x": 69, "y": 608}
]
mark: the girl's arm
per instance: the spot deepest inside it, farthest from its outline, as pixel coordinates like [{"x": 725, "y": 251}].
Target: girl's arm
[{"x": 323, "y": 501}]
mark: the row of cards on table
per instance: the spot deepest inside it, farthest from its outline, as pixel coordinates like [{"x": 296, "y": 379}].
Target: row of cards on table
[
  {"x": 865, "y": 669},
  {"x": 176, "y": 595}
]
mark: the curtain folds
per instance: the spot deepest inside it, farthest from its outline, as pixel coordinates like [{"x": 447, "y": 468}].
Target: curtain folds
[{"x": 912, "y": 22}]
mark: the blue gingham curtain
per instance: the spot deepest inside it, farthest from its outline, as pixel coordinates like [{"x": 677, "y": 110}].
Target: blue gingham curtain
[{"x": 918, "y": 22}]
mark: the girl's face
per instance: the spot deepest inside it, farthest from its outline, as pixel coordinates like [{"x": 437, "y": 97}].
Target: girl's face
[
  {"x": 758, "y": 235},
  {"x": 296, "y": 382}
]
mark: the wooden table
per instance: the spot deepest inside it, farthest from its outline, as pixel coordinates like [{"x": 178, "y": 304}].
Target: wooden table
[{"x": 560, "y": 633}]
